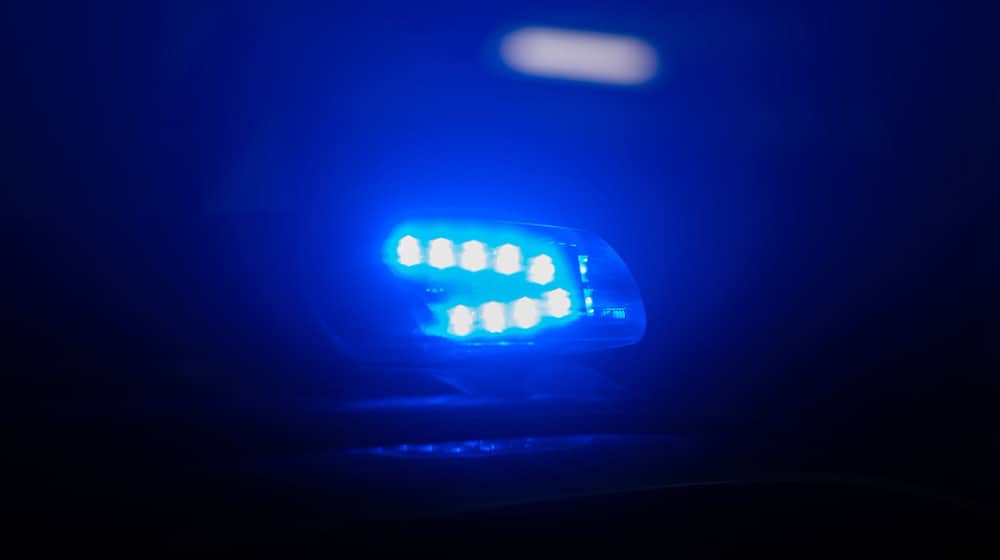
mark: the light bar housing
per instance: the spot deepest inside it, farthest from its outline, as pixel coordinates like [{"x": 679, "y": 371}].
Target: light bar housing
[{"x": 460, "y": 288}]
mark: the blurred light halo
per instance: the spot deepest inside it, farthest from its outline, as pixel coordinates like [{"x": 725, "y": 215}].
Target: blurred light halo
[{"x": 586, "y": 56}]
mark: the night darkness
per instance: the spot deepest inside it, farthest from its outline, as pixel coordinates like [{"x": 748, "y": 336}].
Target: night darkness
[{"x": 804, "y": 193}]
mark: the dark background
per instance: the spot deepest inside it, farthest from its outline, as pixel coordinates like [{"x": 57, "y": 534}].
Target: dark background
[{"x": 805, "y": 195}]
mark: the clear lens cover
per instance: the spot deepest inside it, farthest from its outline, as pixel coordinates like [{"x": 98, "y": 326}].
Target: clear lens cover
[{"x": 449, "y": 289}]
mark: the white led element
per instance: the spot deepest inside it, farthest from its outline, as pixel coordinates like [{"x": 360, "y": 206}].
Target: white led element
[
  {"x": 508, "y": 259},
  {"x": 473, "y": 256},
  {"x": 525, "y": 313},
  {"x": 441, "y": 253},
  {"x": 557, "y": 303},
  {"x": 541, "y": 271},
  {"x": 493, "y": 316},
  {"x": 587, "y": 56},
  {"x": 460, "y": 320},
  {"x": 408, "y": 251}
]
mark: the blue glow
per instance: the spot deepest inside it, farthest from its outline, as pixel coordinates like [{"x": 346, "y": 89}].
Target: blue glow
[
  {"x": 467, "y": 287},
  {"x": 441, "y": 253},
  {"x": 473, "y": 256},
  {"x": 541, "y": 271},
  {"x": 525, "y": 313},
  {"x": 483, "y": 448},
  {"x": 475, "y": 273},
  {"x": 460, "y": 320},
  {"x": 408, "y": 251},
  {"x": 508, "y": 259},
  {"x": 493, "y": 317},
  {"x": 557, "y": 303},
  {"x": 436, "y": 401}
]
